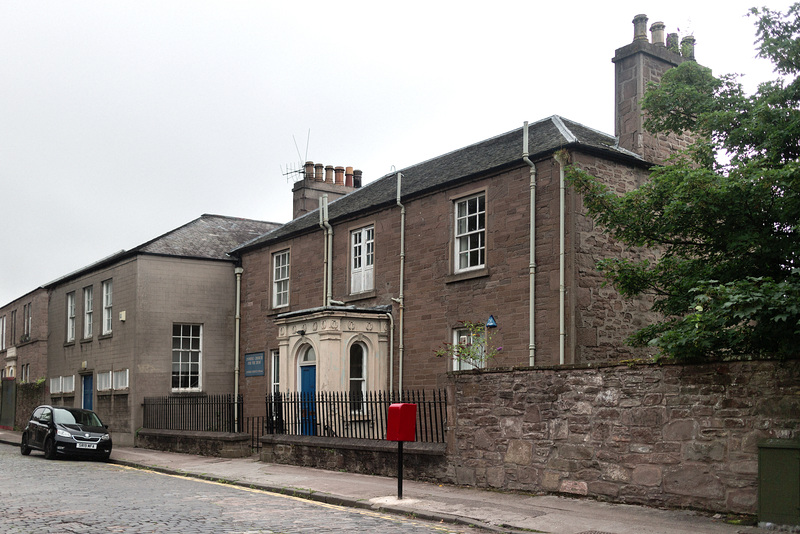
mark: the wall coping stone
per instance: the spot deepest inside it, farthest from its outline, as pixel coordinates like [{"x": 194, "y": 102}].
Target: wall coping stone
[
  {"x": 409, "y": 447},
  {"x": 195, "y": 434}
]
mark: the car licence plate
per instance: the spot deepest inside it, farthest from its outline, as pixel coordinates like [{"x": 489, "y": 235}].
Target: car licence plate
[{"x": 86, "y": 445}]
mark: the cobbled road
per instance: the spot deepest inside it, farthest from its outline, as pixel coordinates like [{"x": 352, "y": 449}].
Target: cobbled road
[{"x": 71, "y": 496}]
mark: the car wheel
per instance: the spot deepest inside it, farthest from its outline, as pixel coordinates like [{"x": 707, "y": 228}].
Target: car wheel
[
  {"x": 105, "y": 457},
  {"x": 23, "y": 446},
  {"x": 50, "y": 449}
]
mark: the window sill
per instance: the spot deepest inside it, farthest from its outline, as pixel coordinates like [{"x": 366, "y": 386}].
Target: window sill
[
  {"x": 110, "y": 392},
  {"x": 467, "y": 275},
  {"x": 106, "y": 336},
  {"x": 87, "y": 340},
  {"x": 361, "y": 296},
  {"x": 69, "y": 343},
  {"x": 188, "y": 392},
  {"x": 278, "y": 311}
]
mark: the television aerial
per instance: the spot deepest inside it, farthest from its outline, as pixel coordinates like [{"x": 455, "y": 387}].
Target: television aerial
[{"x": 295, "y": 171}]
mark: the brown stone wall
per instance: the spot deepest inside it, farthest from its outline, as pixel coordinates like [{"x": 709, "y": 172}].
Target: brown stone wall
[
  {"x": 599, "y": 318},
  {"x": 674, "y": 435}
]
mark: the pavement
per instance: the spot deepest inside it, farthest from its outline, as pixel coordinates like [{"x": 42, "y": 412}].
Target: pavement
[{"x": 495, "y": 511}]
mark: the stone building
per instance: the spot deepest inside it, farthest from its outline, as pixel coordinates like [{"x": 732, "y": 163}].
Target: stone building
[
  {"x": 23, "y": 351},
  {"x": 359, "y": 293},
  {"x": 153, "y": 321}
]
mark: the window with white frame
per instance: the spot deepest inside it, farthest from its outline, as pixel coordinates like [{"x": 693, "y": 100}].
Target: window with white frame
[
  {"x": 358, "y": 377},
  {"x": 55, "y": 385},
  {"x": 280, "y": 279},
  {"x": 3, "y": 333},
  {"x": 104, "y": 381},
  {"x": 463, "y": 337},
  {"x": 88, "y": 300},
  {"x": 276, "y": 371},
  {"x": 70, "y": 317},
  {"x": 27, "y": 318},
  {"x": 13, "y": 327},
  {"x": 362, "y": 259},
  {"x": 68, "y": 384},
  {"x": 120, "y": 379},
  {"x": 470, "y": 233},
  {"x": 107, "y": 306},
  {"x": 186, "y": 357}
]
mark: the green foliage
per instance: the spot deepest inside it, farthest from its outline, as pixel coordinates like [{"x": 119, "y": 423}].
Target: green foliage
[
  {"x": 724, "y": 215},
  {"x": 477, "y": 351}
]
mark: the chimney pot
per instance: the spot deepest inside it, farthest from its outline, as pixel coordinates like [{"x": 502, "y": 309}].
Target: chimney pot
[
  {"x": 318, "y": 173},
  {"x": 308, "y": 172},
  {"x": 640, "y": 28},
  {"x": 339, "y": 175},
  {"x": 687, "y": 47},
  {"x": 348, "y": 176},
  {"x": 657, "y": 33},
  {"x": 672, "y": 42},
  {"x": 356, "y": 178},
  {"x": 328, "y": 174}
]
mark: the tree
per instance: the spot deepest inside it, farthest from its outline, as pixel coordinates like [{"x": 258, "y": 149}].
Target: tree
[{"x": 723, "y": 216}]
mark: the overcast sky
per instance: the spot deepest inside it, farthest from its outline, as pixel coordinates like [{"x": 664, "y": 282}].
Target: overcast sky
[{"x": 120, "y": 121}]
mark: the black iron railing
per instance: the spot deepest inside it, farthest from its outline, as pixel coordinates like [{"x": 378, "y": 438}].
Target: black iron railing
[
  {"x": 353, "y": 414},
  {"x": 214, "y": 413},
  {"x": 255, "y": 427}
]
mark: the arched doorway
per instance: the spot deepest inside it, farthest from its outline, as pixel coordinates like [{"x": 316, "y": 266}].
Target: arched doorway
[{"x": 307, "y": 361}]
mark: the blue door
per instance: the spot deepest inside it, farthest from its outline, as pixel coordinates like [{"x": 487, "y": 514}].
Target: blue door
[
  {"x": 308, "y": 406},
  {"x": 88, "y": 391}
]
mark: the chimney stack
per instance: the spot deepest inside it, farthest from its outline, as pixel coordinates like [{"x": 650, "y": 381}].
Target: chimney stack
[
  {"x": 636, "y": 65},
  {"x": 318, "y": 180}
]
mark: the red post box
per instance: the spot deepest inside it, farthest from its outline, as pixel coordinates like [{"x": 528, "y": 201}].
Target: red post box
[{"x": 402, "y": 423}]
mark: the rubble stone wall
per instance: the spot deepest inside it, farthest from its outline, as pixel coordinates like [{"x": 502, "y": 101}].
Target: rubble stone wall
[{"x": 672, "y": 435}]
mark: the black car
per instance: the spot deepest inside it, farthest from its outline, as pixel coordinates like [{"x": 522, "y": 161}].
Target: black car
[{"x": 59, "y": 430}]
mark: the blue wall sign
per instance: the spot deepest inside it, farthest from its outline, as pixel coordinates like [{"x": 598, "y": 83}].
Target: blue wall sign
[{"x": 254, "y": 364}]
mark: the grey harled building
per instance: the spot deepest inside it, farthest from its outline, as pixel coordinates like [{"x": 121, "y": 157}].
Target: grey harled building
[{"x": 113, "y": 324}]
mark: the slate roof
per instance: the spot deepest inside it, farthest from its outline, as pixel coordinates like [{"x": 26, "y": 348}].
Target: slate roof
[
  {"x": 208, "y": 237},
  {"x": 488, "y": 156}
]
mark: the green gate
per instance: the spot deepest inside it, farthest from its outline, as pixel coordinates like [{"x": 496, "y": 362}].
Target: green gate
[{"x": 8, "y": 402}]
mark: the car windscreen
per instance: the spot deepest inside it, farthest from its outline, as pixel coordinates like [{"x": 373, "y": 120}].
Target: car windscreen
[{"x": 76, "y": 417}]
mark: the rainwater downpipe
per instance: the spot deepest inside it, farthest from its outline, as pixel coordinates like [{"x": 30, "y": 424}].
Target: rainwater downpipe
[
  {"x": 561, "y": 158},
  {"x": 329, "y": 249},
  {"x": 401, "y": 299},
  {"x": 236, "y": 339},
  {"x": 532, "y": 257},
  {"x": 322, "y": 224},
  {"x": 391, "y": 350}
]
